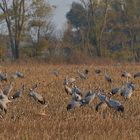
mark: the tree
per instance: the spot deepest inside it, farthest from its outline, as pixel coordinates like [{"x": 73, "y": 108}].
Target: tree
[
  {"x": 39, "y": 23},
  {"x": 14, "y": 13},
  {"x": 77, "y": 15},
  {"x": 91, "y": 22}
]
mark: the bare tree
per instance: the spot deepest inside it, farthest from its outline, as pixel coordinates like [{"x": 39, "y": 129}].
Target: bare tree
[
  {"x": 39, "y": 23},
  {"x": 14, "y": 16}
]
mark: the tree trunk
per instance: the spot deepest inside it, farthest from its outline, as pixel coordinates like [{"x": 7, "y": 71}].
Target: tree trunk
[
  {"x": 16, "y": 49},
  {"x": 103, "y": 26},
  {"x": 132, "y": 44},
  {"x": 16, "y": 52}
]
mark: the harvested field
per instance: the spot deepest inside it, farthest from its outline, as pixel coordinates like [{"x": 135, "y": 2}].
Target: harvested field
[{"x": 23, "y": 120}]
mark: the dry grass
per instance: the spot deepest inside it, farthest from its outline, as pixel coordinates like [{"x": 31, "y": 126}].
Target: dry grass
[{"x": 23, "y": 121}]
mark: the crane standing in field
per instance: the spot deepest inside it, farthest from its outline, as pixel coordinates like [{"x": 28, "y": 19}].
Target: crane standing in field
[
  {"x": 116, "y": 105},
  {"x": 84, "y": 74},
  {"x": 126, "y": 75},
  {"x": 101, "y": 105},
  {"x": 8, "y": 88},
  {"x": 18, "y": 93},
  {"x": 3, "y": 77},
  {"x": 97, "y": 71},
  {"x": 136, "y": 75},
  {"x": 38, "y": 98},
  {"x": 3, "y": 102},
  {"x": 17, "y": 74},
  {"x": 127, "y": 90},
  {"x": 108, "y": 80}
]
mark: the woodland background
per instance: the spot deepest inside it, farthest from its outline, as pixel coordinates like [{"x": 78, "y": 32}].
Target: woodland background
[{"x": 95, "y": 29}]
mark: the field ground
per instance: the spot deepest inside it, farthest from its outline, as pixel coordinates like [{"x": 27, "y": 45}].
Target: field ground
[{"x": 23, "y": 121}]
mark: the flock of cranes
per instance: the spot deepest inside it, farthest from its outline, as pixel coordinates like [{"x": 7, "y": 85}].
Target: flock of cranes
[
  {"x": 5, "y": 97},
  {"x": 78, "y": 98}
]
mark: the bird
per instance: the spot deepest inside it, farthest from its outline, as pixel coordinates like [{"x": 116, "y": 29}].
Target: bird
[
  {"x": 3, "y": 77},
  {"x": 55, "y": 72},
  {"x": 17, "y": 74},
  {"x": 100, "y": 96},
  {"x": 72, "y": 104},
  {"x": 18, "y": 93},
  {"x": 101, "y": 105},
  {"x": 69, "y": 80},
  {"x": 97, "y": 71},
  {"x": 3, "y": 102},
  {"x": 89, "y": 97},
  {"x": 114, "y": 104},
  {"x": 136, "y": 75},
  {"x": 115, "y": 90},
  {"x": 68, "y": 90},
  {"x": 126, "y": 75},
  {"x": 36, "y": 96},
  {"x": 76, "y": 97},
  {"x": 66, "y": 81},
  {"x": 76, "y": 90},
  {"x": 86, "y": 71},
  {"x": 8, "y": 88},
  {"x": 127, "y": 90},
  {"x": 108, "y": 79},
  {"x": 83, "y": 75}
]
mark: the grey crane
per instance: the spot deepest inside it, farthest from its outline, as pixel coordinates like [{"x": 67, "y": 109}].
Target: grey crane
[
  {"x": 136, "y": 75},
  {"x": 17, "y": 74},
  {"x": 8, "y": 88},
  {"x": 66, "y": 81},
  {"x": 97, "y": 71},
  {"x": 72, "y": 104},
  {"x": 114, "y": 104},
  {"x": 68, "y": 90},
  {"x": 89, "y": 97},
  {"x": 100, "y": 96},
  {"x": 115, "y": 90},
  {"x": 3, "y": 77},
  {"x": 127, "y": 90},
  {"x": 83, "y": 75},
  {"x": 76, "y": 96},
  {"x": 101, "y": 105},
  {"x": 37, "y": 97},
  {"x": 18, "y": 93},
  {"x": 76, "y": 90},
  {"x": 55, "y": 72},
  {"x": 3, "y": 102},
  {"x": 69, "y": 80},
  {"x": 126, "y": 75},
  {"x": 108, "y": 78}
]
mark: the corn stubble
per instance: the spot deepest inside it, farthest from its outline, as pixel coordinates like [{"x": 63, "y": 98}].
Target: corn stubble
[{"x": 25, "y": 122}]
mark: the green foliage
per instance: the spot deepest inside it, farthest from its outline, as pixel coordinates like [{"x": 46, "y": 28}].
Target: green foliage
[
  {"x": 77, "y": 15},
  {"x": 112, "y": 27}
]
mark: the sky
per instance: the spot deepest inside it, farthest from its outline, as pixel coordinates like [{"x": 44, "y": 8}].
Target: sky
[{"x": 62, "y": 7}]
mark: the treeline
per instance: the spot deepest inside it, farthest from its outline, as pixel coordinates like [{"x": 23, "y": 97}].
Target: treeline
[
  {"x": 95, "y": 29},
  {"x": 105, "y": 28}
]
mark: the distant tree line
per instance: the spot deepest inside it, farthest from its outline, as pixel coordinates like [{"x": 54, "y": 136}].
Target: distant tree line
[
  {"x": 94, "y": 29},
  {"x": 105, "y": 28},
  {"x": 25, "y": 19}
]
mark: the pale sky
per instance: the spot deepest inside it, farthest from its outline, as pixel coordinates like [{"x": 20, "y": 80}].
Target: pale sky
[{"x": 62, "y": 7}]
